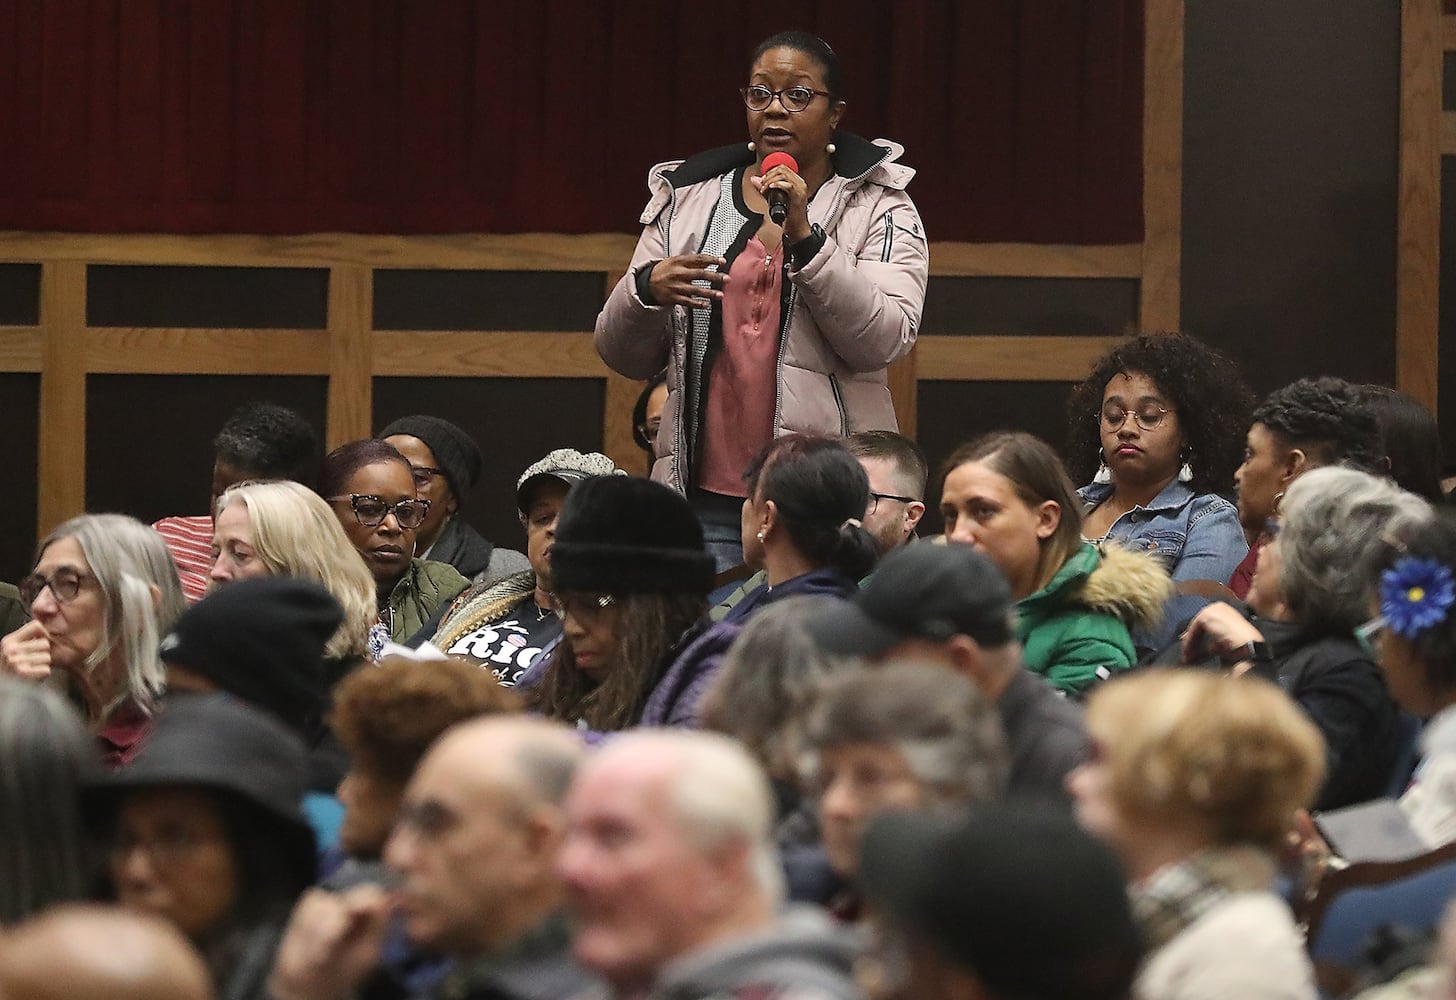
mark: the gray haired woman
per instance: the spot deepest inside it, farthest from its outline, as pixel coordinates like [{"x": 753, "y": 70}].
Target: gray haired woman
[
  {"x": 101, "y": 596},
  {"x": 907, "y": 736},
  {"x": 1309, "y": 593},
  {"x": 46, "y": 755}
]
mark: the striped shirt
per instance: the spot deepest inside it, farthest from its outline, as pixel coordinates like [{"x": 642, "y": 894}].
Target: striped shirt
[{"x": 189, "y": 539}]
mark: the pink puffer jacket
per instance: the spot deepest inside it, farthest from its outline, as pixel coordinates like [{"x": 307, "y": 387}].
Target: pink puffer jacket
[{"x": 853, "y": 308}]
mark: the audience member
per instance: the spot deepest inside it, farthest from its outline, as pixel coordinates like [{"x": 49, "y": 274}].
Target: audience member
[
  {"x": 475, "y": 847},
  {"x": 209, "y": 835},
  {"x": 1009, "y": 902},
  {"x": 90, "y": 952},
  {"x": 1415, "y": 640},
  {"x": 101, "y": 596},
  {"x": 801, "y": 525},
  {"x": 259, "y": 441},
  {"x": 46, "y": 756},
  {"x": 1159, "y": 419},
  {"x": 13, "y": 610},
  {"x": 446, "y": 463},
  {"x": 673, "y": 883},
  {"x": 896, "y": 469},
  {"x": 906, "y": 736},
  {"x": 372, "y": 492},
  {"x": 508, "y": 625},
  {"x": 1007, "y": 494},
  {"x": 1310, "y": 592},
  {"x": 285, "y": 529},
  {"x": 1305, "y": 425},
  {"x": 647, "y": 416},
  {"x": 631, "y": 576},
  {"x": 386, "y": 718},
  {"x": 1195, "y": 783},
  {"x": 263, "y": 642},
  {"x": 949, "y": 604},
  {"x": 1410, "y": 439}
]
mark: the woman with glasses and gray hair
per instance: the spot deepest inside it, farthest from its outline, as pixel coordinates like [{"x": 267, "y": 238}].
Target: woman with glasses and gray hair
[
  {"x": 372, "y": 491},
  {"x": 775, "y": 280},
  {"x": 101, "y": 596},
  {"x": 1156, "y": 432},
  {"x": 1309, "y": 595}
]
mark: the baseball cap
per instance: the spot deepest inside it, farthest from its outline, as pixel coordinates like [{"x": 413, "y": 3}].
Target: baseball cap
[
  {"x": 919, "y": 592},
  {"x": 1015, "y": 891},
  {"x": 566, "y": 465}
]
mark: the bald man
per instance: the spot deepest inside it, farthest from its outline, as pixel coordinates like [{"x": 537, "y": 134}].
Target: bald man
[
  {"x": 475, "y": 849},
  {"x": 87, "y": 952},
  {"x": 674, "y": 884}
]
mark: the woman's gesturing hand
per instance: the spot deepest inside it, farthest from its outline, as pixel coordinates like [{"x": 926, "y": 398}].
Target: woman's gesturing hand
[
  {"x": 672, "y": 280},
  {"x": 1218, "y": 629},
  {"x": 26, "y": 652}
]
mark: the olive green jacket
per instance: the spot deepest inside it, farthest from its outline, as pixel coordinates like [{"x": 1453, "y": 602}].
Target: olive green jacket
[{"x": 425, "y": 588}]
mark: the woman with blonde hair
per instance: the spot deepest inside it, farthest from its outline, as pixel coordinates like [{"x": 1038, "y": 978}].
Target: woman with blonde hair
[
  {"x": 1194, "y": 780},
  {"x": 101, "y": 596},
  {"x": 286, "y": 529}
]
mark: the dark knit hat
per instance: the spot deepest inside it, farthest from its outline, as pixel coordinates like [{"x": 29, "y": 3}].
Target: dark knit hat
[
  {"x": 1015, "y": 892},
  {"x": 262, "y": 641},
  {"x": 458, "y": 454},
  {"x": 920, "y": 591},
  {"x": 622, "y": 535}
]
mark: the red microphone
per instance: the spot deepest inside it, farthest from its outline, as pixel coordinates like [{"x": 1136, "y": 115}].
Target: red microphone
[{"x": 778, "y": 201}]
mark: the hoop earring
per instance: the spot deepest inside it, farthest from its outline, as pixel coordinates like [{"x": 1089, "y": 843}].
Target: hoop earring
[
  {"x": 1104, "y": 474},
  {"x": 1278, "y": 497}
]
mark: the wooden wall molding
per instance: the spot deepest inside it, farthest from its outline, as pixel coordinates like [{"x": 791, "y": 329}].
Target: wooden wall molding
[
  {"x": 1162, "y": 251},
  {"x": 1418, "y": 224},
  {"x": 61, "y": 472}
]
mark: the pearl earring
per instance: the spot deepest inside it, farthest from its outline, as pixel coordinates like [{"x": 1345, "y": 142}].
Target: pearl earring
[
  {"x": 760, "y": 536},
  {"x": 752, "y": 146},
  {"x": 831, "y": 149}
]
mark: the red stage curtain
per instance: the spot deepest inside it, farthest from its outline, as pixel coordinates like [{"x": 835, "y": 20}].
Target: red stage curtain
[{"x": 291, "y": 116}]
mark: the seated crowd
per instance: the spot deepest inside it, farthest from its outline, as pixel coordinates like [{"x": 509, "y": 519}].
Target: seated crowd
[{"x": 328, "y": 741}]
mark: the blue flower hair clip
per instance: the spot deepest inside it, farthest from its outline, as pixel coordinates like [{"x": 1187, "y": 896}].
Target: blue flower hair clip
[{"x": 1415, "y": 595}]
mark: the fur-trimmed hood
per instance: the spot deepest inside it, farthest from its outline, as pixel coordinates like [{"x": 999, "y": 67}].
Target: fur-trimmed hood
[{"x": 1132, "y": 586}]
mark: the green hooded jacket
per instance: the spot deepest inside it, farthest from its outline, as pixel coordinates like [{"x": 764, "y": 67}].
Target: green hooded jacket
[
  {"x": 425, "y": 588},
  {"x": 1075, "y": 630}
]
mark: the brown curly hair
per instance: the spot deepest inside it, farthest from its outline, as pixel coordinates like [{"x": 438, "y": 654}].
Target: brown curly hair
[{"x": 388, "y": 715}]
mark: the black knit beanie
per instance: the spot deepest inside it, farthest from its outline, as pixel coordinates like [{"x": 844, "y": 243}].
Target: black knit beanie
[
  {"x": 623, "y": 535},
  {"x": 456, "y": 451},
  {"x": 262, "y": 641}
]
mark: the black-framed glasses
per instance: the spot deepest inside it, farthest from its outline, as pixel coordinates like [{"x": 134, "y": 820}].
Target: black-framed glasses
[
  {"x": 65, "y": 584},
  {"x": 422, "y": 474},
  {"x": 875, "y": 499},
  {"x": 584, "y": 608},
  {"x": 370, "y": 510},
  {"x": 1147, "y": 416},
  {"x": 795, "y": 99}
]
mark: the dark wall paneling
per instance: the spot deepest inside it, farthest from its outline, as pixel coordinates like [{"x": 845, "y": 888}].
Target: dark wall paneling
[
  {"x": 1289, "y": 185},
  {"x": 486, "y": 300},
  {"x": 516, "y": 421},
  {"x": 1446, "y": 387},
  {"x": 952, "y": 413},
  {"x": 1448, "y": 81},
  {"x": 149, "y": 437},
  {"x": 19, "y": 294},
  {"x": 1051, "y": 306},
  {"x": 19, "y": 407},
  {"x": 276, "y": 298}
]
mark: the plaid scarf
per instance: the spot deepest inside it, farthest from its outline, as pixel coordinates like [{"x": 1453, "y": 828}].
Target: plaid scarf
[{"x": 1176, "y": 895}]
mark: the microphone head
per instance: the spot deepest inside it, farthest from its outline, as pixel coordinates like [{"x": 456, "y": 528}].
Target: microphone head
[{"x": 774, "y": 159}]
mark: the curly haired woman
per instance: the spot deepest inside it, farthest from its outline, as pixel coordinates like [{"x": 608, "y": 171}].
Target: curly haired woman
[{"x": 1160, "y": 421}]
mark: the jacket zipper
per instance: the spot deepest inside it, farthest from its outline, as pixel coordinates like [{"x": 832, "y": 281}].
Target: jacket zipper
[
  {"x": 679, "y": 340},
  {"x": 839, "y": 403}
]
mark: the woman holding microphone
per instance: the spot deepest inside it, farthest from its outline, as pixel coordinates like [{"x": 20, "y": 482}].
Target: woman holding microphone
[{"x": 769, "y": 327}]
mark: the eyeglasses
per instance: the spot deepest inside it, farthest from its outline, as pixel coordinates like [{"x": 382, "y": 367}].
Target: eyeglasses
[
  {"x": 1147, "y": 417},
  {"x": 585, "y": 608},
  {"x": 795, "y": 99},
  {"x": 65, "y": 584},
  {"x": 1368, "y": 635},
  {"x": 370, "y": 511},
  {"x": 875, "y": 499},
  {"x": 422, "y": 474}
]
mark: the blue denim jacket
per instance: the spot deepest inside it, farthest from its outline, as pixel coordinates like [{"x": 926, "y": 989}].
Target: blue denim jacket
[{"x": 1196, "y": 537}]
